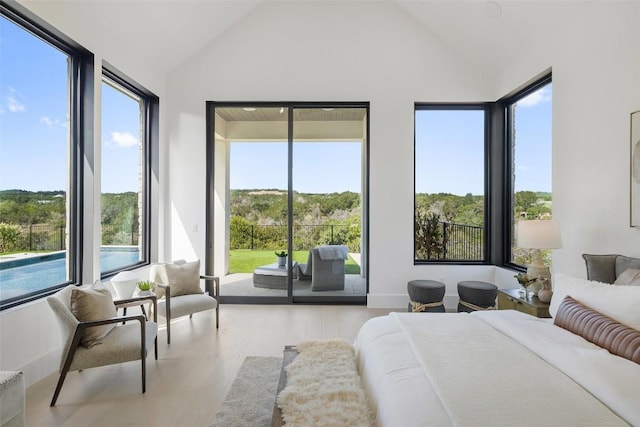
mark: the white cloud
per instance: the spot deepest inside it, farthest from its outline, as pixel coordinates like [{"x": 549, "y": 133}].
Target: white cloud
[
  {"x": 535, "y": 98},
  {"x": 123, "y": 139},
  {"x": 14, "y": 105},
  {"x": 51, "y": 123}
]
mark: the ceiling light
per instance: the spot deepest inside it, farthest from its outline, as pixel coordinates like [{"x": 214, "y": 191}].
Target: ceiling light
[
  {"x": 327, "y": 109},
  {"x": 249, "y": 109}
]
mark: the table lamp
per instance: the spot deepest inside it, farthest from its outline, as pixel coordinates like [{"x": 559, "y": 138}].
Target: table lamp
[{"x": 537, "y": 235}]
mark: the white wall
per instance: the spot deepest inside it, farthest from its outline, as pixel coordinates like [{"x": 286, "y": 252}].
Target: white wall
[
  {"x": 596, "y": 85},
  {"x": 326, "y": 52},
  {"x": 29, "y": 334},
  {"x": 344, "y": 52}
]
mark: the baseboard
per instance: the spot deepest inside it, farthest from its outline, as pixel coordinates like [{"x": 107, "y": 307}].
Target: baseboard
[
  {"x": 42, "y": 367},
  {"x": 400, "y": 301}
]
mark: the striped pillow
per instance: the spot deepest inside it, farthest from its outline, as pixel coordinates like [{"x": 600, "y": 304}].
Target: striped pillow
[{"x": 599, "y": 329}]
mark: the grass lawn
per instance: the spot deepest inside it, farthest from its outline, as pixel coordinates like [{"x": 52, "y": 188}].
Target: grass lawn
[{"x": 246, "y": 260}]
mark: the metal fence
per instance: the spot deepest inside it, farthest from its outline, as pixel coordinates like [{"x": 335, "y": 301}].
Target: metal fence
[
  {"x": 49, "y": 237},
  {"x": 263, "y": 237},
  {"x": 463, "y": 242}
]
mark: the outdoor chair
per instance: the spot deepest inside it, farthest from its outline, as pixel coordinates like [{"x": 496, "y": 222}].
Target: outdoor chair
[
  {"x": 324, "y": 267},
  {"x": 177, "y": 286},
  {"x": 92, "y": 334}
]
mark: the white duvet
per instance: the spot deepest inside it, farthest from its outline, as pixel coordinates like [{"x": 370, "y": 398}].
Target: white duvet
[{"x": 492, "y": 368}]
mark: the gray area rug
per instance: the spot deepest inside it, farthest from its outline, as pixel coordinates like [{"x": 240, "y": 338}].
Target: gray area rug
[{"x": 250, "y": 400}]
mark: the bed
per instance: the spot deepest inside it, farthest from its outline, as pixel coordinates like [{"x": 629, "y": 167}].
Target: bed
[{"x": 507, "y": 368}]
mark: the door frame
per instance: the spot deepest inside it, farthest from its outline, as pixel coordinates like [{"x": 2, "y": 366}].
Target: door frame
[{"x": 210, "y": 210}]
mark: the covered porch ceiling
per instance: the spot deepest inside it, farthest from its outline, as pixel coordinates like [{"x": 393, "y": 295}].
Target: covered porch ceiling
[{"x": 270, "y": 124}]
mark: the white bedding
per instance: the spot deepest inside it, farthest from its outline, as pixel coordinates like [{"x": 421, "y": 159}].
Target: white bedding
[{"x": 492, "y": 368}]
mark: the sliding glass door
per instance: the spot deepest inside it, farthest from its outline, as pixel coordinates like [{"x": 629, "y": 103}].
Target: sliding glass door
[
  {"x": 327, "y": 183},
  {"x": 285, "y": 181}
]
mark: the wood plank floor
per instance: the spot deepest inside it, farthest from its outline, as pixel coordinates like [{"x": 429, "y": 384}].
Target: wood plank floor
[{"x": 188, "y": 383}]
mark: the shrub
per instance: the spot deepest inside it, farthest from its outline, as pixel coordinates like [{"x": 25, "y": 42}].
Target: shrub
[{"x": 9, "y": 235}]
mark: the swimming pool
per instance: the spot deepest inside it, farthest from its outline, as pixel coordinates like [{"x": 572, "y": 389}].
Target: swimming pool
[{"x": 30, "y": 274}]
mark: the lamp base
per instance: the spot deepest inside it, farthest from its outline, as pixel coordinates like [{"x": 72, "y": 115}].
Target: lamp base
[{"x": 534, "y": 271}]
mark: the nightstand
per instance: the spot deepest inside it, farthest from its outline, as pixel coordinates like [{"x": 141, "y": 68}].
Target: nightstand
[{"x": 510, "y": 299}]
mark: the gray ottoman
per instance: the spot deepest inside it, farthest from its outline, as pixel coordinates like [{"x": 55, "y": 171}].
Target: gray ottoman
[
  {"x": 475, "y": 295},
  {"x": 426, "y": 296}
]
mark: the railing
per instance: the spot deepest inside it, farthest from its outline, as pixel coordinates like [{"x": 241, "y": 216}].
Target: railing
[
  {"x": 463, "y": 242},
  {"x": 262, "y": 237},
  {"x": 48, "y": 237}
]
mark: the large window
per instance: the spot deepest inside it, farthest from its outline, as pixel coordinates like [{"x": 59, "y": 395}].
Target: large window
[
  {"x": 503, "y": 147},
  {"x": 43, "y": 92},
  {"x": 528, "y": 117},
  {"x": 124, "y": 173},
  {"x": 449, "y": 215},
  {"x": 46, "y": 156}
]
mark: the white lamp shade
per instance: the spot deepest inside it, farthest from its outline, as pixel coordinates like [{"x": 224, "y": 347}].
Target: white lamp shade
[
  {"x": 539, "y": 234},
  {"x": 125, "y": 283}
]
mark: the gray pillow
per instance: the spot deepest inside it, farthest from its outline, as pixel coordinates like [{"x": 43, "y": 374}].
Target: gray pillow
[{"x": 601, "y": 268}]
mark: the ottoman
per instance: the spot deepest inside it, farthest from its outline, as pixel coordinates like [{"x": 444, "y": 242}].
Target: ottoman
[
  {"x": 425, "y": 296},
  {"x": 475, "y": 295}
]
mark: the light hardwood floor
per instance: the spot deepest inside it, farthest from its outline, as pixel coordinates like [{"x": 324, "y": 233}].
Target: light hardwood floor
[{"x": 188, "y": 383}]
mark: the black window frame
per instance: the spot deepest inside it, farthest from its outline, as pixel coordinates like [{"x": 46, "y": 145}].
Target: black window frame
[
  {"x": 487, "y": 109},
  {"x": 81, "y": 96},
  {"x": 149, "y": 127},
  {"x": 499, "y": 176},
  {"x": 506, "y": 105}
]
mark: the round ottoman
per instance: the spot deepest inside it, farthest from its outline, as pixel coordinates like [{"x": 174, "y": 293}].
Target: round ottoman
[
  {"x": 475, "y": 295},
  {"x": 426, "y": 296}
]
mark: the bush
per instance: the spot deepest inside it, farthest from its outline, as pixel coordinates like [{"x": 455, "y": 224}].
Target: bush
[{"x": 9, "y": 236}]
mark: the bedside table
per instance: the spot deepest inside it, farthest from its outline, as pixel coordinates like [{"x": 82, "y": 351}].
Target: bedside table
[{"x": 511, "y": 299}]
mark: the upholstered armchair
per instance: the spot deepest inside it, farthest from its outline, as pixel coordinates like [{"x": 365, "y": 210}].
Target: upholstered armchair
[
  {"x": 93, "y": 334},
  {"x": 177, "y": 286},
  {"x": 324, "y": 267}
]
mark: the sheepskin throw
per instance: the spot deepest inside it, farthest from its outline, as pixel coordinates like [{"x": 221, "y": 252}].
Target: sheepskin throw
[{"x": 323, "y": 387}]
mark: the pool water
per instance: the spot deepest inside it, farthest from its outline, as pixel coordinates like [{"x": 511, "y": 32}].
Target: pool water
[{"x": 50, "y": 270}]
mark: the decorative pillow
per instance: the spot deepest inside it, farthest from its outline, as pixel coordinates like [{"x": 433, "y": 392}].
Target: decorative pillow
[
  {"x": 631, "y": 276},
  {"x": 618, "y": 302},
  {"x": 599, "y": 329},
  {"x": 184, "y": 278},
  {"x": 93, "y": 303}
]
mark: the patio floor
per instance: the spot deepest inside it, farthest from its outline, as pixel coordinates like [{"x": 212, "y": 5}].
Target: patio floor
[{"x": 241, "y": 284}]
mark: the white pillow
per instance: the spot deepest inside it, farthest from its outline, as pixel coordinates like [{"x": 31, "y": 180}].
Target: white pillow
[
  {"x": 631, "y": 276},
  {"x": 619, "y": 302}
]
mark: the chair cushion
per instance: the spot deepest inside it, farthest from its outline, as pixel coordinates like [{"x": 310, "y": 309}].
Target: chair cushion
[
  {"x": 88, "y": 304},
  {"x": 184, "y": 279},
  {"x": 187, "y": 304},
  {"x": 121, "y": 345}
]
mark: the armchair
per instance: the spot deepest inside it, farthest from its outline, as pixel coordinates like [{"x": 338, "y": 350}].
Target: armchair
[
  {"x": 92, "y": 334},
  {"x": 324, "y": 267},
  {"x": 177, "y": 286}
]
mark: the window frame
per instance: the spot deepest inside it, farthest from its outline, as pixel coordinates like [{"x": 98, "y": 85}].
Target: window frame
[
  {"x": 506, "y": 104},
  {"x": 80, "y": 109},
  {"x": 149, "y": 130},
  {"x": 486, "y": 108}
]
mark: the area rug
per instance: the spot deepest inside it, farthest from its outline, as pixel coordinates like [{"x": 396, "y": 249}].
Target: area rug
[
  {"x": 323, "y": 387},
  {"x": 252, "y": 395}
]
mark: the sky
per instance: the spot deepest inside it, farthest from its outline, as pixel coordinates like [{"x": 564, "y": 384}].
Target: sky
[
  {"x": 33, "y": 138},
  {"x": 33, "y": 120},
  {"x": 318, "y": 167},
  {"x": 450, "y": 148}
]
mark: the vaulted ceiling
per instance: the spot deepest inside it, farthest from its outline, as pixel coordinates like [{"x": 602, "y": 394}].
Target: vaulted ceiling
[{"x": 166, "y": 32}]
